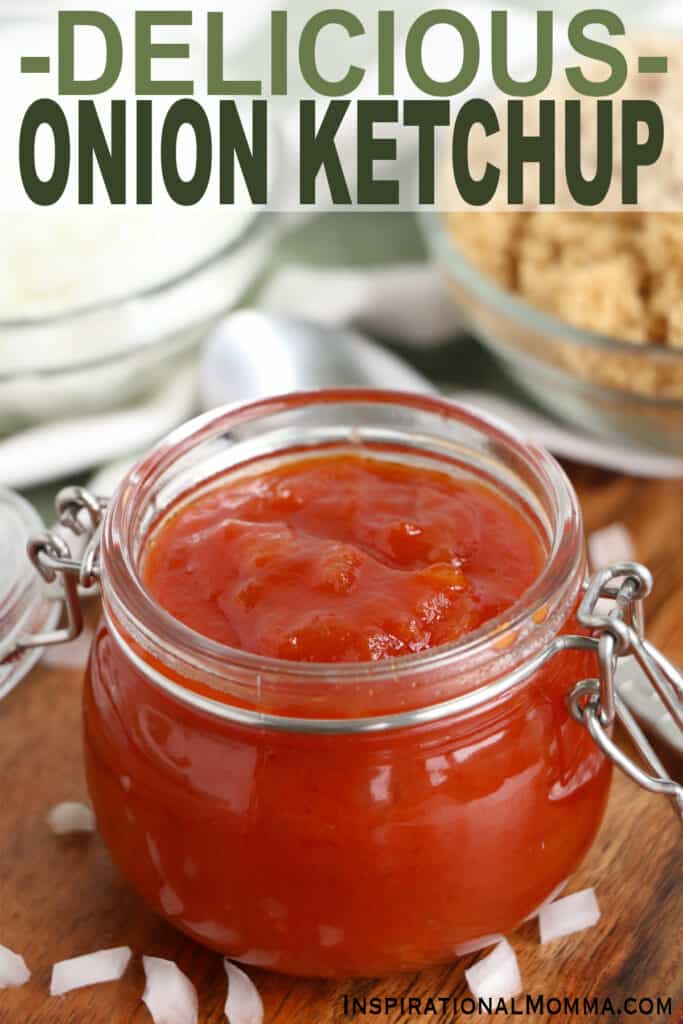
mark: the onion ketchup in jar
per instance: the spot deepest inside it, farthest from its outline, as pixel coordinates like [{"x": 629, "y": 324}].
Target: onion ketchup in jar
[{"x": 326, "y": 720}]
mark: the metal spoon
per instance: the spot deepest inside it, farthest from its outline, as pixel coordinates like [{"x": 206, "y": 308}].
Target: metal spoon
[{"x": 253, "y": 355}]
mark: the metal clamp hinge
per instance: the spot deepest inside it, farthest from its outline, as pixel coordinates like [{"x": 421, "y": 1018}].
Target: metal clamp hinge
[
  {"x": 80, "y": 513},
  {"x": 595, "y": 703}
]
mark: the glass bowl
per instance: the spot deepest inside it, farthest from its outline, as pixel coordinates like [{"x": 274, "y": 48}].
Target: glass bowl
[
  {"x": 612, "y": 388},
  {"x": 143, "y": 337},
  {"x": 95, "y": 314}
]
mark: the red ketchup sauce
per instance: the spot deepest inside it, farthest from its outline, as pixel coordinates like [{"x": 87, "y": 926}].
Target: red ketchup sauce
[
  {"x": 354, "y": 854},
  {"x": 342, "y": 559}
]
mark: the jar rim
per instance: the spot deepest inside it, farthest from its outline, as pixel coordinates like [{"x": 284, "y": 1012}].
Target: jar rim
[{"x": 139, "y": 614}]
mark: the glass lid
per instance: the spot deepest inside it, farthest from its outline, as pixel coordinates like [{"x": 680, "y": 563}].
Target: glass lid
[{"x": 25, "y": 602}]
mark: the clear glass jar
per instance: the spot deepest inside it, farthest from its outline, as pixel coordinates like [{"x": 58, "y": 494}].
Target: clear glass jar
[
  {"x": 327, "y": 850},
  {"x": 352, "y": 819}
]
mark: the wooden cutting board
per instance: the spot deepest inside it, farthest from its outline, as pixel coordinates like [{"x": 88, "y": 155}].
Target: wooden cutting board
[{"x": 60, "y": 897}]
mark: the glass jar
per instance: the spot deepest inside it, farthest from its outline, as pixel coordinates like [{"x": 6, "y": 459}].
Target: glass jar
[{"x": 354, "y": 819}]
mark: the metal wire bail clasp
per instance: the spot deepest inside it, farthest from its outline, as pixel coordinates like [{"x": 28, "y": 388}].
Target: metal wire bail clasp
[
  {"x": 612, "y": 608},
  {"x": 81, "y": 514}
]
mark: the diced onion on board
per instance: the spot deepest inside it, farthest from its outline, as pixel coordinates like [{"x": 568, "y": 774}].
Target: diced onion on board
[
  {"x": 13, "y": 969},
  {"x": 612, "y": 543},
  {"x": 497, "y": 975},
  {"x": 243, "y": 1005},
  {"x": 91, "y": 969},
  {"x": 571, "y": 914},
  {"x": 70, "y": 817},
  {"x": 169, "y": 995}
]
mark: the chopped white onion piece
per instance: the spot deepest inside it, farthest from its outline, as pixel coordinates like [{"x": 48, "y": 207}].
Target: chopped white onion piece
[
  {"x": 91, "y": 969},
  {"x": 474, "y": 945},
  {"x": 610, "y": 544},
  {"x": 243, "y": 1005},
  {"x": 69, "y": 817},
  {"x": 169, "y": 995},
  {"x": 570, "y": 914},
  {"x": 497, "y": 975},
  {"x": 13, "y": 969}
]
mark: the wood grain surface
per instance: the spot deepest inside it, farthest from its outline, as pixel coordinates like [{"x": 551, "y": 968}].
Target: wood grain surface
[{"x": 60, "y": 897}]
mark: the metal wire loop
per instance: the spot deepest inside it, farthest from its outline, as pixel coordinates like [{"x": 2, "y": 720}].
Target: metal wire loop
[
  {"x": 595, "y": 703},
  {"x": 81, "y": 514}
]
